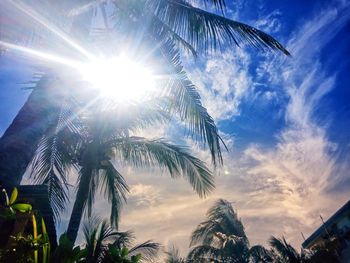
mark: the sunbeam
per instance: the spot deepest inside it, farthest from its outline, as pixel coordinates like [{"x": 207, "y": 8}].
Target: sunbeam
[
  {"x": 37, "y": 17},
  {"x": 42, "y": 55}
]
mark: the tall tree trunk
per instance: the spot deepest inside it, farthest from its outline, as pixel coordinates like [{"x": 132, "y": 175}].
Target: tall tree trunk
[
  {"x": 20, "y": 140},
  {"x": 80, "y": 203}
]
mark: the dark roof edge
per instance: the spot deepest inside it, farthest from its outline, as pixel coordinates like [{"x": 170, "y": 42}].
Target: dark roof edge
[{"x": 327, "y": 224}]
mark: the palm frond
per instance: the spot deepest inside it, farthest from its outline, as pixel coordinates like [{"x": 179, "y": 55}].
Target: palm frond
[
  {"x": 209, "y": 31},
  {"x": 148, "y": 249},
  {"x": 173, "y": 256},
  {"x": 115, "y": 189},
  {"x": 97, "y": 234},
  {"x": 120, "y": 120},
  {"x": 260, "y": 254},
  {"x": 93, "y": 186},
  {"x": 223, "y": 212},
  {"x": 186, "y": 102},
  {"x": 143, "y": 152},
  {"x": 283, "y": 249},
  {"x": 219, "y": 4},
  {"x": 205, "y": 253},
  {"x": 161, "y": 30},
  {"x": 205, "y": 232},
  {"x": 53, "y": 159},
  {"x": 123, "y": 239}
]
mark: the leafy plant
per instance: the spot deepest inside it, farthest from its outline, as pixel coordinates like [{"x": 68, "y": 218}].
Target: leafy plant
[
  {"x": 8, "y": 210},
  {"x": 66, "y": 252},
  {"x": 24, "y": 248}
]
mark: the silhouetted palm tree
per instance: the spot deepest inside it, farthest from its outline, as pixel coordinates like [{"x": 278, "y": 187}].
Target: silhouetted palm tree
[
  {"x": 259, "y": 254},
  {"x": 221, "y": 238},
  {"x": 93, "y": 142},
  {"x": 166, "y": 25},
  {"x": 284, "y": 252},
  {"x": 173, "y": 256},
  {"x": 101, "y": 240}
]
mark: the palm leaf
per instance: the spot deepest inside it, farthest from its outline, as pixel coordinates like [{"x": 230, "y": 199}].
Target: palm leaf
[
  {"x": 260, "y": 254},
  {"x": 208, "y": 31},
  {"x": 143, "y": 152},
  {"x": 205, "y": 253},
  {"x": 283, "y": 249},
  {"x": 121, "y": 120},
  {"x": 115, "y": 189},
  {"x": 205, "y": 232},
  {"x": 186, "y": 102},
  {"x": 147, "y": 249},
  {"x": 173, "y": 256},
  {"x": 55, "y": 156}
]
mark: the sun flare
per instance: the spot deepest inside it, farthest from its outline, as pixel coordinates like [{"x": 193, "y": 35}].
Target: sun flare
[{"x": 119, "y": 78}]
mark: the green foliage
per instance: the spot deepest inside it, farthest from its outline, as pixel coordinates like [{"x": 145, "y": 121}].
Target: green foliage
[
  {"x": 24, "y": 248},
  {"x": 8, "y": 210},
  {"x": 103, "y": 245},
  {"x": 117, "y": 255},
  {"x": 67, "y": 253}
]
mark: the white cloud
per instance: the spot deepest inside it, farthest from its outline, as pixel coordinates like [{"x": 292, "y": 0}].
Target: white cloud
[
  {"x": 224, "y": 82},
  {"x": 279, "y": 191},
  {"x": 271, "y": 23},
  {"x": 295, "y": 175},
  {"x": 276, "y": 191}
]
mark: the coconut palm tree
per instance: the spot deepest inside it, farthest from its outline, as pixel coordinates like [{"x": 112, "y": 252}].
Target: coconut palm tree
[
  {"x": 259, "y": 254},
  {"x": 94, "y": 142},
  {"x": 167, "y": 25},
  {"x": 221, "y": 238},
  {"x": 173, "y": 256},
  {"x": 32, "y": 122},
  {"x": 104, "y": 244},
  {"x": 284, "y": 252}
]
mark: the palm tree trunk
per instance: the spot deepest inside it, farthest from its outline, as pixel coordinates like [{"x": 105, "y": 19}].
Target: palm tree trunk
[
  {"x": 79, "y": 204},
  {"x": 20, "y": 140}
]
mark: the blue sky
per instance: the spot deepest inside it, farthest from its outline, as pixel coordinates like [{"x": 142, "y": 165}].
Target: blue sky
[{"x": 286, "y": 121}]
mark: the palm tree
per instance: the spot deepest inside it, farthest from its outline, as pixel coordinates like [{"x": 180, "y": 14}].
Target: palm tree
[
  {"x": 93, "y": 141},
  {"x": 173, "y": 256},
  {"x": 104, "y": 244},
  {"x": 167, "y": 25},
  {"x": 32, "y": 122},
  {"x": 284, "y": 252},
  {"x": 222, "y": 238},
  {"x": 259, "y": 254}
]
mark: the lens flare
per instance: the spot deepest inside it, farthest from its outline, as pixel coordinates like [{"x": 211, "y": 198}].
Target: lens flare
[{"x": 119, "y": 78}]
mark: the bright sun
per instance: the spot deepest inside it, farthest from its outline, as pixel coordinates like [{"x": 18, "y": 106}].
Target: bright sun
[{"x": 120, "y": 78}]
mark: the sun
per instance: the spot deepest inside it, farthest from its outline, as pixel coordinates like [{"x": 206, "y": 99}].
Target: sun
[{"x": 119, "y": 78}]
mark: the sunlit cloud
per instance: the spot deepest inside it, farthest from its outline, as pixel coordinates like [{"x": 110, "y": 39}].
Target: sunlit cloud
[
  {"x": 277, "y": 191},
  {"x": 223, "y": 82}
]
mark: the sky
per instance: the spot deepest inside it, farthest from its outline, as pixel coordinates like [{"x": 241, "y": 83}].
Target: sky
[{"x": 285, "y": 120}]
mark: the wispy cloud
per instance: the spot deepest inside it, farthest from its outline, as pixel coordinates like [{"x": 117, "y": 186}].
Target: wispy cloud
[
  {"x": 295, "y": 175},
  {"x": 279, "y": 190},
  {"x": 276, "y": 191},
  {"x": 223, "y": 82}
]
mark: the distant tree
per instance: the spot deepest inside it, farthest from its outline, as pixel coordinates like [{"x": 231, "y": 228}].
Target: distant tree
[
  {"x": 222, "y": 238},
  {"x": 104, "y": 244},
  {"x": 284, "y": 253},
  {"x": 173, "y": 256}
]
